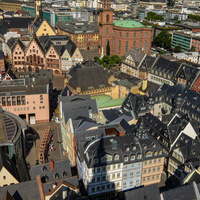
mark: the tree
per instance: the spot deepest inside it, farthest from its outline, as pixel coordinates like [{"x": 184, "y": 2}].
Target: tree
[
  {"x": 116, "y": 59},
  {"x": 106, "y": 59},
  {"x": 193, "y": 48},
  {"x": 108, "y": 48},
  {"x": 153, "y": 16},
  {"x": 177, "y": 49},
  {"x": 163, "y": 39}
]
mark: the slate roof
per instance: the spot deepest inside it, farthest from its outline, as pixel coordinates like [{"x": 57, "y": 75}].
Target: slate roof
[
  {"x": 182, "y": 193},
  {"x": 166, "y": 66},
  {"x": 101, "y": 146},
  {"x": 188, "y": 72},
  {"x": 70, "y": 180},
  {"x": 78, "y": 106},
  {"x": 78, "y": 27},
  {"x": 136, "y": 56},
  {"x": 7, "y": 196},
  {"x": 147, "y": 63},
  {"x": 28, "y": 190},
  {"x": 150, "y": 192},
  {"x": 86, "y": 77},
  {"x": 11, "y": 43},
  {"x": 61, "y": 170},
  {"x": 17, "y": 22}
]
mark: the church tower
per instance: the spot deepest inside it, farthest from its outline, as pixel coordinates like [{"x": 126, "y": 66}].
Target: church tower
[
  {"x": 105, "y": 26},
  {"x": 38, "y": 8}
]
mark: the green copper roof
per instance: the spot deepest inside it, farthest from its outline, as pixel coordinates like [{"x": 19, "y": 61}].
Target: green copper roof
[
  {"x": 128, "y": 23},
  {"x": 105, "y": 101}
]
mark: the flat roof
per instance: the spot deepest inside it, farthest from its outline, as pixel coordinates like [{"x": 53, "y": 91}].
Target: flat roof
[{"x": 106, "y": 101}]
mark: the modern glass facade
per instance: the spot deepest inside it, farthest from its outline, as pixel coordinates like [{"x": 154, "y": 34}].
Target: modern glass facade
[{"x": 181, "y": 40}]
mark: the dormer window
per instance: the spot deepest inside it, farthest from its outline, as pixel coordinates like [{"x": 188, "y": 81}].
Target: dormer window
[
  {"x": 125, "y": 158},
  {"x": 44, "y": 169},
  {"x": 132, "y": 157},
  {"x": 103, "y": 159},
  {"x": 116, "y": 157},
  {"x": 127, "y": 149},
  {"x": 148, "y": 154},
  {"x": 56, "y": 175},
  {"x": 144, "y": 146},
  {"x": 160, "y": 152},
  {"x": 139, "y": 156},
  {"x": 96, "y": 160},
  {"x": 134, "y": 147},
  {"x": 64, "y": 174}
]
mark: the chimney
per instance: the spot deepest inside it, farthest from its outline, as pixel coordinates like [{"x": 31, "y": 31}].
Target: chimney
[
  {"x": 54, "y": 185},
  {"x": 40, "y": 187},
  {"x": 52, "y": 165},
  {"x": 64, "y": 193}
]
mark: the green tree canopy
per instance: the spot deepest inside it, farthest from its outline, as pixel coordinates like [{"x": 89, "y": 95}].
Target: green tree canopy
[
  {"x": 195, "y": 17},
  {"x": 108, "y": 62},
  {"x": 163, "y": 39},
  {"x": 177, "y": 49},
  {"x": 153, "y": 16}
]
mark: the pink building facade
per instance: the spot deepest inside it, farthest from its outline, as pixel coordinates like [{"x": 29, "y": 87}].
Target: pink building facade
[{"x": 29, "y": 103}]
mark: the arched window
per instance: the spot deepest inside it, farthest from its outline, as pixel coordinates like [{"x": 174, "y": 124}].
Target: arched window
[
  {"x": 107, "y": 18},
  {"x": 107, "y": 31}
]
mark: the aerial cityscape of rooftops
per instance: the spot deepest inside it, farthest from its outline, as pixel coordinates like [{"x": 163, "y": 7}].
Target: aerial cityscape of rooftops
[{"x": 100, "y": 100}]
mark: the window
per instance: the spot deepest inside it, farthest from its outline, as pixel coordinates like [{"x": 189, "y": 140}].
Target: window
[
  {"x": 135, "y": 35},
  {"x": 132, "y": 157},
  {"x": 148, "y": 154},
  {"x": 139, "y": 156},
  {"x": 127, "y": 35},
  {"x": 33, "y": 108},
  {"x": 124, "y": 185},
  {"x": 4, "y": 177},
  {"x": 125, "y": 158},
  {"x": 131, "y": 184},
  {"x": 113, "y": 176},
  {"x": 119, "y": 45},
  {"x": 131, "y": 175},
  {"x": 146, "y": 34},
  {"x": 140, "y": 43},
  {"x": 126, "y": 46},
  {"x": 107, "y": 31},
  {"x": 96, "y": 160},
  {"x": 120, "y": 34},
  {"x": 138, "y": 174},
  {"x": 134, "y": 44},
  {"x": 41, "y": 97},
  {"x": 107, "y": 18},
  {"x": 98, "y": 169},
  {"x": 145, "y": 46},
  {"x": 116, "y": 157},
  {"x": 118, "y": 175},
  {"x": 141, "y": 34}
]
